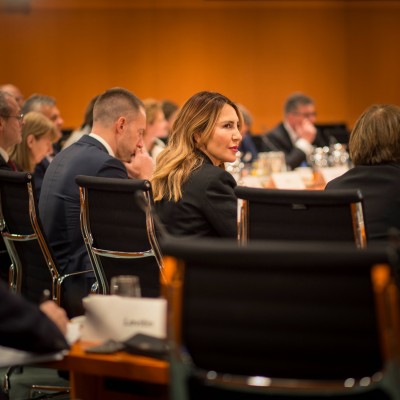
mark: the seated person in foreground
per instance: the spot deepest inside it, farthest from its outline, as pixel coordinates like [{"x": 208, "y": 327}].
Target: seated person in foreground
[
  {"x": 375, "y": 151},
  {"x": 24, "y": 326},
  {"x": 297, "y": 135},
  {"x": 193, "y": 193}
]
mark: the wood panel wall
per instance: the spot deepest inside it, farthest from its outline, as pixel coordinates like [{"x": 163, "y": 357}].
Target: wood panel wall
[{"x": 346, "y": 58}]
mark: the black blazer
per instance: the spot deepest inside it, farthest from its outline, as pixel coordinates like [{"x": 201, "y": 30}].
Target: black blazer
[
  {"x": 208, "y": 206},
  {"x": 23, "y": 326},
  {"x": 59, "y": 204},
  {"x": 380, "y": 186},
  {"x": 278, "y": 139}
]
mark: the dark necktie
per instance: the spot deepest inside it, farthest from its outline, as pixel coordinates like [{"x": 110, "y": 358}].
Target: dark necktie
[{"x": 12, "y": 164}]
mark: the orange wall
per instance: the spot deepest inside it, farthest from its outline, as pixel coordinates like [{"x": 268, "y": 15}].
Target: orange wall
[{"x": 344, "y": 57}]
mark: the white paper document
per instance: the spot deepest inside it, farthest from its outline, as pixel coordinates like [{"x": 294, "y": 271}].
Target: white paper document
[{"x": 10, "y": 357}]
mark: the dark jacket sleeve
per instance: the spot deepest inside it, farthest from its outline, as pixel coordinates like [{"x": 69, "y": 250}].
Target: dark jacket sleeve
[
  {"x": 23, "y": 326},
  {"x": 221, "y": 203}
]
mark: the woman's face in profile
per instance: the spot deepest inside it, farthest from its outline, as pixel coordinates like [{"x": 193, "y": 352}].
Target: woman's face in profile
[{"x": 225, "y": 138}]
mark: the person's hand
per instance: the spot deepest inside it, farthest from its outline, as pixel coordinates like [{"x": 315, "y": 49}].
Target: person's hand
[
  {"x": 56, "y": 314},
  {"x": 306, "y": 130},
  {"x": 141, "y": 165}
]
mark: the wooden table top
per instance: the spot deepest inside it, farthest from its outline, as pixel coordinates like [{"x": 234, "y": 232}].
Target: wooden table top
[{"x": 120, "y": 365}]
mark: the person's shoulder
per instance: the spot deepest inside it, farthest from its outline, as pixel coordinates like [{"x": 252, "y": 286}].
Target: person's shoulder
[
  {"x": 279, "y": 128},
  {"x": 209, "y": 174}
]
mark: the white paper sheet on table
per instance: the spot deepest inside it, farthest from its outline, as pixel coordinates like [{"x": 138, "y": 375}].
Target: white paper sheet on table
[
  {"x": 288, "y": 180},
  {"x": 332, "y": 172},
  {"x": 10, "y": 357}
]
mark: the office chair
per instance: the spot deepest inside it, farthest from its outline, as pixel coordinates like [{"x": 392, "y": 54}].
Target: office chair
[
  {"x": 285, "y": 319},
  {"x": 34, "y": 267},
  {"x": 274, "y": 214},
  {"x": 120, "y": 236}
]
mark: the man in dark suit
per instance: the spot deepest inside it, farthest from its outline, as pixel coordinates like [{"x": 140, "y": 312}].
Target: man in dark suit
[
  {"x": 10, "y": 135},
  {"x": 113, "y": 148},
  {"x": 297, "y": 135}
]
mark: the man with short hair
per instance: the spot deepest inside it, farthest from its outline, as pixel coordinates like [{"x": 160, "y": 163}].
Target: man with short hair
[
  {"x": 10, "y": 127},
  {"x": 297, "y": 135},
  {"x": 47, "y": 106},
  {"x": 119, "y": 121},
  {"x": 14, "y": 91}
]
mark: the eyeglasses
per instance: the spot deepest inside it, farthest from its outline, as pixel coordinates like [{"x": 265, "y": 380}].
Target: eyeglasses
[
  {"x": 20, "y": 117},
  {"x": 305, "y": 114}
]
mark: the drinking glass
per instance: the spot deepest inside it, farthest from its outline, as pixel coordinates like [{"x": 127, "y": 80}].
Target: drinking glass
[{"x": 125, "y": 286}]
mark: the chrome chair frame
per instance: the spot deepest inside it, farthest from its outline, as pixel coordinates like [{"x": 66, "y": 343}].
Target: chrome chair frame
[
  {"x": 95, "y": 254},
  {"x": 386, "y": 298},
  {"x": 16, "y": 269},
  {"x": 245, "y": 195}
]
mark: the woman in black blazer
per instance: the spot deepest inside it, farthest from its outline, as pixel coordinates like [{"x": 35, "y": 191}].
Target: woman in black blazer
[
  {"x": 375, "y": 151},
  {"x": 192, "y": 191}
]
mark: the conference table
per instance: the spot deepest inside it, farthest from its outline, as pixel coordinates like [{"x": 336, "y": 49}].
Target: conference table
[{"x": 117, "y": 376}]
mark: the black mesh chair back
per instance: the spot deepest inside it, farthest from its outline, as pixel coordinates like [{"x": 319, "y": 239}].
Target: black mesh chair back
[
  {"x": 284, "y": 318},
  {"x": 33, "y": 267},
  {"x": 118, "y": 233},
  {"x": 302, "y": 215}
]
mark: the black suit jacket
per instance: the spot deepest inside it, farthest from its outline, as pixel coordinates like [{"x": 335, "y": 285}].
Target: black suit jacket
[
  {"x": 59, "y": 204},
  {"x": 278, "y": 139},
  {"x": 208, "y": 206},
  {"x": 23, "y": 326},
  {"x": 380, "y": 186},
  {"x": 5, "y": 261}
]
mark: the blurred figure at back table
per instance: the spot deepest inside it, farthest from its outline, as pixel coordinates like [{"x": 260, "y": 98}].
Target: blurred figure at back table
[
  {"x": 38, "y": 136},
  {"x": 297, "y": 135},
  {"x": 156, "y": 128},
  {"x": 86, "y": 126},
  {"x": 14, "y": 91},
  {"x": 247, "y": 146}
]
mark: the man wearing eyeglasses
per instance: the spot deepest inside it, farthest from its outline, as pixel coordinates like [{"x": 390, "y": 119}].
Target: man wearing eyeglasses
[{"x": 297, "y": 135}]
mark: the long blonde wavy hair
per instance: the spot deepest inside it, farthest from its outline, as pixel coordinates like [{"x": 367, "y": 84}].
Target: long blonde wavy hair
[{"x": 192, "y": 130}]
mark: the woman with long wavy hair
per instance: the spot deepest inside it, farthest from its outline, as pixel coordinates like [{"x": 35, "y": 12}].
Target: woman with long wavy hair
[{"x": 193, "y": 193}]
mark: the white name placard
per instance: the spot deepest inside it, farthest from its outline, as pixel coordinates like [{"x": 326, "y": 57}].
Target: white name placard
[
  {"x": 288, "y": 180},
  {"x": 118, "y": 318},
  {"x": 332, "y": 172}
]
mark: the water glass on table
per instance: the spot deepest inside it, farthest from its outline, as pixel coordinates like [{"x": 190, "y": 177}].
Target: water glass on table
[{"x": 125, "y": 286}]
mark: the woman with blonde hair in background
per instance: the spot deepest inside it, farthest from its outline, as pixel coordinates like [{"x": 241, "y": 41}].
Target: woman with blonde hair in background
[
  {"x": 38, "y": 136},
  {"x": 193, "y": 193},
  {"x": 156, "y": 127}
]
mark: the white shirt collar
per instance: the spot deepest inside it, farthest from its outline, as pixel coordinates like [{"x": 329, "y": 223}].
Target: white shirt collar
[
  {"x": 4, "y": 154},
  {"x": 103, "y": 142},
  {"x": 292, "y": 134}
]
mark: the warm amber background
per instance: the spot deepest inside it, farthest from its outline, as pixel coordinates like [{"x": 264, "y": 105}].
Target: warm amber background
[{"x": 345, "y": 54}]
